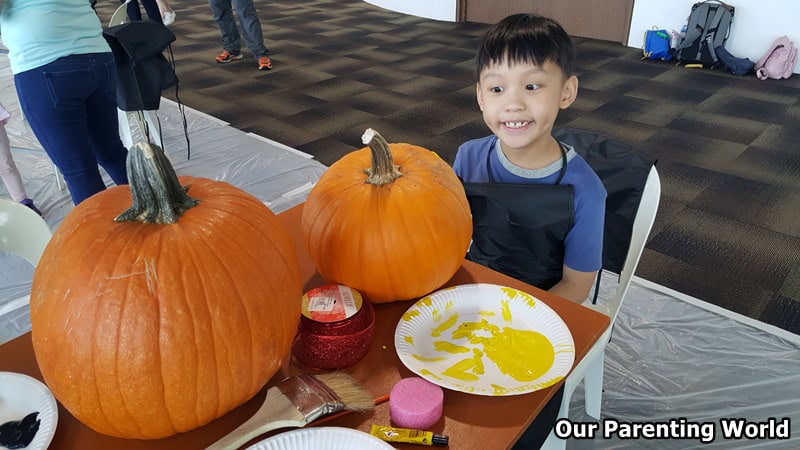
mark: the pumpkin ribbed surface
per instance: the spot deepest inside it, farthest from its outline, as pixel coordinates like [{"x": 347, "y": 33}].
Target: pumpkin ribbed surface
[
  {"x": 145, "y": 330},
  {"x": 393, "y": 241}
]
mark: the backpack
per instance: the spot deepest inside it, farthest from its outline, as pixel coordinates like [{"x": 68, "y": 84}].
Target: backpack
[
  {"x": 707, "y": 28},
  {"x": 779, "y": 61},
  {"x": 736, "y": 66},
  {"x": 656, "y": 45}
]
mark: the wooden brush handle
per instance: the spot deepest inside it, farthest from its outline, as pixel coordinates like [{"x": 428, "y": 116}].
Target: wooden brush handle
[{"x": 278, "y": 411}]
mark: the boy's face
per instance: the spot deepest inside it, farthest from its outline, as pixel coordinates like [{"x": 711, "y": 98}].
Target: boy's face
[{"x": 520, "y": 102}]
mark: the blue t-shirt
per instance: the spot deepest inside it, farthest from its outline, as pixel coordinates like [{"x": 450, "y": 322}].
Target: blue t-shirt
[
  {"x": 38, "y": 32},
  {"x": 583, "y": 245}
]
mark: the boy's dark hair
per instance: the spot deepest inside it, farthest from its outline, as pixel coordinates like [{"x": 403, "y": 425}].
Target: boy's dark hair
[{"x": 526, "y": 38}]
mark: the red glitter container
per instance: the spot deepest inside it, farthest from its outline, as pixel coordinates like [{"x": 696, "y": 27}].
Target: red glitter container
[{"x": 336, "y": 328}]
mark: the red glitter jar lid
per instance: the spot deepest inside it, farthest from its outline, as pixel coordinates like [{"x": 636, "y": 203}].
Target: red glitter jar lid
[{"x": 335, "y": 329}]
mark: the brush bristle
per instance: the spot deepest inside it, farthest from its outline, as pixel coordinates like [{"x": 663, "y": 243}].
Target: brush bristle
[{"x": 352, "y": 394}]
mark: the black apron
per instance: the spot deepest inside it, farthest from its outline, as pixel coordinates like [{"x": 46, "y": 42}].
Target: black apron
[{"x": 519, "y": 229}]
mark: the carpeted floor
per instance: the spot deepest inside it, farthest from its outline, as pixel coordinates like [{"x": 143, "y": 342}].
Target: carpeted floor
[{"x": 727, "y": 146}]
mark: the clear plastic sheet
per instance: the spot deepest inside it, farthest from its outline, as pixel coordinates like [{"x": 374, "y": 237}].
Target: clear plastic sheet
[{"x": 672, "y": 356}]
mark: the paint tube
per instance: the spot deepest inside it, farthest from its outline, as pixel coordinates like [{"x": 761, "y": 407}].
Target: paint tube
[{"x": 404, "y": 435}]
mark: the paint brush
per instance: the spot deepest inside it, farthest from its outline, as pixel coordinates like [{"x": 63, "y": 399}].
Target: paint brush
[{"x": 295, "y": 402}]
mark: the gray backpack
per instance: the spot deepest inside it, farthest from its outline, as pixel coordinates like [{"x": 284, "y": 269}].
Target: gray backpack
[{"x": 707, "y": 28}]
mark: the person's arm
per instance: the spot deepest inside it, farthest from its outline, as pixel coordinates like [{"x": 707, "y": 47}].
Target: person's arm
[{"x": 574, "y": 285}]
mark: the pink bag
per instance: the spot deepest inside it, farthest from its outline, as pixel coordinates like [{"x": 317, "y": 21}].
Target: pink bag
[{"x": 779, "y": 61}]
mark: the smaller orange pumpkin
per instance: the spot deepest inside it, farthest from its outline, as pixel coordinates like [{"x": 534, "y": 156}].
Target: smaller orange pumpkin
[{"x": 392, "y": 232}]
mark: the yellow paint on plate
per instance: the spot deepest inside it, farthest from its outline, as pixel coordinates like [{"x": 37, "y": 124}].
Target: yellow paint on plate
[
  {"x": 505, "y": 310},
  {"x": 428, "y": 373},
  {"x": 499, "y": 390},
  {"x": 410, "y": 314},
  {"x": 467, "y": 369},
  {"x": 428, "y": 358},
  {"x": 409, "y": 339},
  {"x": 523, "y": 355},
  {"x": 442, "y": 327},
  {"x": 449, "y": 347}
]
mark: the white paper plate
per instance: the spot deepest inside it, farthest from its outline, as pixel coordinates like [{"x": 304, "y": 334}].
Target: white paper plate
[
  {"x": 485, "y": 339},
  {"x": 21, "y": 395},
  {"x": 322, "y": 438}
]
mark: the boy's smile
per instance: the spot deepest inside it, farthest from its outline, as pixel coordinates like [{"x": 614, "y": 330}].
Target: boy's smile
[{"x": 520, "y": 103}]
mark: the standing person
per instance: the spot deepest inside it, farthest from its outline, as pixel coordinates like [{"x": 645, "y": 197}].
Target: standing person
[
  {"x": 66, "y": 82},
  {"x": 251, "y": 30},
  {"x": 167, "y": 13},
  {"x": 8, "y": 169},
  {"x": 150, "y": 6},
  {"x": 537, "y": 207}
]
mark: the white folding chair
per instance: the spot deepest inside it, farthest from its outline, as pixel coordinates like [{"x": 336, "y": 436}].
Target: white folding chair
[
  {"x": 22, "y": 231},
  {"x": 25, "y": 234},
  {"x": 590, "y": 368}
]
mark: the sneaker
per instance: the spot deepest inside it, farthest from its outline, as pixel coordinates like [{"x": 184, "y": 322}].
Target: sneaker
[
  {"x": 168, "y": 18},
  {"x": 264, "y": 63},
  {"x": 226, "y": 57},
  {"x": 29, "y": 203}
]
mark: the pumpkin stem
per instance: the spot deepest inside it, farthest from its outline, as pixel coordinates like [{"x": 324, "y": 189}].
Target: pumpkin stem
[
  {"x": 383, "y": 170},
  {"x": 158, "y": 196}
]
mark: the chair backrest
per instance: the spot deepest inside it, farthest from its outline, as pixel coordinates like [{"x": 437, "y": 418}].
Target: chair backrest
[
  {"x": 642, "y": 224},
  {"x": 22, "y": 231},
  {"x": 120, "y": 15},
  {"x": 634, "y": 190}
]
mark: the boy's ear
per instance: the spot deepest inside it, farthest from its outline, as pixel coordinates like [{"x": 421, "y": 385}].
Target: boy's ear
[
  {"x": 569, "y": 91},
  {"x": 478, "y": 94}
]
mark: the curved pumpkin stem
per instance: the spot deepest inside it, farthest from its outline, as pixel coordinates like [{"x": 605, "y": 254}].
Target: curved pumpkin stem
[
  {"x": 383, "y": 170},
  {"x": 158, "y": 196}
]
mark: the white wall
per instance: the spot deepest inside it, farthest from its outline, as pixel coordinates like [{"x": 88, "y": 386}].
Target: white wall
[
  {"x": 756, "y": 23},
  {"x": 431, "y": 9}
]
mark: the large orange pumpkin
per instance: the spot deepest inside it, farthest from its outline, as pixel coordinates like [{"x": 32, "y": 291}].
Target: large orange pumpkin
[
  {"x": 143, "y": 330},
  {"x": 390, "y": 220}
]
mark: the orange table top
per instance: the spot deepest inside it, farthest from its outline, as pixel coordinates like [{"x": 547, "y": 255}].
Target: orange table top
[{"x": 471, "y": 421}]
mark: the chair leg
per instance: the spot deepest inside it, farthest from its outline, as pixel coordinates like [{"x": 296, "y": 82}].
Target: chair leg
[
  {"x": 124, "y": 128},
  {"x": 153, "y": 127},
  {"x": 593, "y": 385},
  {"x": 554, "y": 442}
]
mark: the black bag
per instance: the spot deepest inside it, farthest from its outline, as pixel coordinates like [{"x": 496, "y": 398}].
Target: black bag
[
  {"x": 142, "y": 69},
  {"x": 736, "y": 66},
  {"x": 707, "y": 29}
]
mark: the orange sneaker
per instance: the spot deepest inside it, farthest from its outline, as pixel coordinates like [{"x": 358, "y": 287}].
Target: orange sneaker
[
  {"x": 226, "y": 57},
  {"x": 264, "y": 63}
]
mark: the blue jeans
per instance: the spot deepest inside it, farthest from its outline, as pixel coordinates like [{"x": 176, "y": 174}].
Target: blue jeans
[
  {"x": 134, "y": 13},
  {"x": 71, "y": 105},
  {"x": 248, "y": 19}
]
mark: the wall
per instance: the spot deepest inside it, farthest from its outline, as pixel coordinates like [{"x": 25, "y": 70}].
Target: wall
[
  {"x": 432, "y": 9},
  {"x": 756, "y": 23}
]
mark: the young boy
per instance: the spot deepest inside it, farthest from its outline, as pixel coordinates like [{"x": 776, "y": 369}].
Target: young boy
[{"x": 537, "y": 206}]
